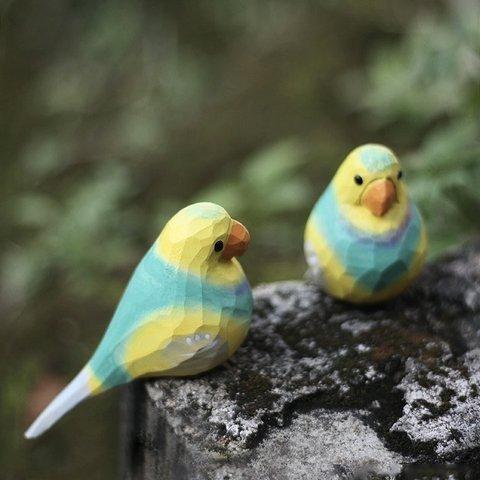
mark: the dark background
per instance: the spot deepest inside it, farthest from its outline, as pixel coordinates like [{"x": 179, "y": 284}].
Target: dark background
[{"x": 116, "y": 114}]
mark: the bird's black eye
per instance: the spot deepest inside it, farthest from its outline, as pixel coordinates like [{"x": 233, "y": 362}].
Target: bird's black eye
[
  {"x": 400, "y": 175},
  {"x": 358, "y": 179},
  {"x": 218, "y": 246}
]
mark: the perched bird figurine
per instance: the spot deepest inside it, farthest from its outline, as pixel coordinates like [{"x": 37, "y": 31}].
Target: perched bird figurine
[
  {"x": 186, "y": 309},
  {"x": 365, "y": 240}
]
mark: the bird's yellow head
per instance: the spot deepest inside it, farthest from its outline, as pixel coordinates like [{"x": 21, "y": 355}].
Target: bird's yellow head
[
  {"x": 370, "y": 189},
  {"x": 203, "y": 239}
]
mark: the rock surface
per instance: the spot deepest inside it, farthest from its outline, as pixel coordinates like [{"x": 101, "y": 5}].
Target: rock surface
[{"x": 326, "y": 390}]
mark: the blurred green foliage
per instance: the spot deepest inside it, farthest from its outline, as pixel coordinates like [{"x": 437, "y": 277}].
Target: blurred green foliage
[
  {"x": 270, "y": 190},
  {"x": 116, "y": 114},
  {"x": 425, "y": 91}
]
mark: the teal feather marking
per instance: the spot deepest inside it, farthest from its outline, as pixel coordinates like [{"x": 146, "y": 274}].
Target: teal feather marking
[
  {"x": 206, "y": 210},
  {"x": 155, "y": 285},
  {"x": 377, "y": 261},
  {"x": 376, "y": 158}
]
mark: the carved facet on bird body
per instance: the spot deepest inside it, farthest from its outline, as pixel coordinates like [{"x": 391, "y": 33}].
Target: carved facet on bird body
[
  {"x": 186, "y": 309},
  {"x": 365, "y": 240}
]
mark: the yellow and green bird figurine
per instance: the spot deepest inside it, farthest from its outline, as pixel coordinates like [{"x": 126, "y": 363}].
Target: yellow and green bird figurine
[
  {"x": 186, "y": 309},
  {"x": 365, "y": 239}
]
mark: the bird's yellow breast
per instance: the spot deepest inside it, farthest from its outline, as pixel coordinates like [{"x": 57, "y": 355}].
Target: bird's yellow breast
[{"x": 169, "y": 338}]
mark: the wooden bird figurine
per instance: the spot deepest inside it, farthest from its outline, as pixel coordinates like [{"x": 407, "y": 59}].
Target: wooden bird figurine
[
  {"x": 365, "y": 240},
  {"x": 186, "y": 309}
]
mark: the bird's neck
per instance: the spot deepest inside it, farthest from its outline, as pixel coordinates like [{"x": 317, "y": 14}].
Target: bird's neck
[
  {"x": 224, "y": 273},
  {"x": 360, "y": 217},
  {"x": 364, "y": 221}
]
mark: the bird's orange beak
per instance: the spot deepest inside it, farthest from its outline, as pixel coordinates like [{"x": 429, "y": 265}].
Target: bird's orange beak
[
  {"x": 380, "y": 196},
  {"x": 237, "y": 241}
]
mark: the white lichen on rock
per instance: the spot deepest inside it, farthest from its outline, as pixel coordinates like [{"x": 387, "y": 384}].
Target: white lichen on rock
[
  {"x": 442, "y": 406},
  {"x": 334, "y": 445}
]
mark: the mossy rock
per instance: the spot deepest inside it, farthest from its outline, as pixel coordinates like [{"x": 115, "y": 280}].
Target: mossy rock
[{"x": 403, "y": 375}]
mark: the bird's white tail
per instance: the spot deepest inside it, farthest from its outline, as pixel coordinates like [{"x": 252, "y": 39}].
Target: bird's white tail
[{"x": 76, "y": 391}]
